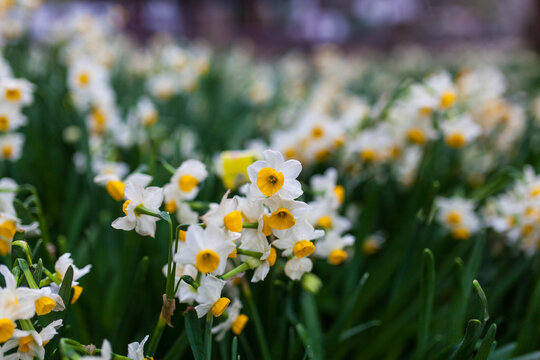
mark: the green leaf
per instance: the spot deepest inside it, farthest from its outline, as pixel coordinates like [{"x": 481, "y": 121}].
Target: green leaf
[
  {"x": 358, "y": 329},
  {"x": 234, "y": 348},
  {"x": 466, "y": 348},
  {"x": 487, "y": 345},
  {"x": 194, "y": 335},
  {"x": 458, "y": 304},
  {"x": 176, "y": 351},
  {"x": 483, "y": 300},
  {"x": 531, "y": 356},
  {"x": 427, "y": 289},
  {"x": 313, "y": 326},
  {"x": 65, "y": 287}
]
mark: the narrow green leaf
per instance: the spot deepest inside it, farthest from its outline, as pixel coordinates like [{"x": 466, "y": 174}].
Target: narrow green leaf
[
  {"x": 466, "y": 348},
  {"x": 458, "y": 304},
  {"x": 193, "y": 330},
  {"x": 313, "y": 326},
  {"x": 427, "y": 288},
  {"x": 358, "y": 329},
  {"x": 487, "y": 345},
  {"x": 65, "y": 287},
  {"x": 234, "y": 348},
  {"x": 483, "y": 300},
  {"x": 531, "y": 356}
]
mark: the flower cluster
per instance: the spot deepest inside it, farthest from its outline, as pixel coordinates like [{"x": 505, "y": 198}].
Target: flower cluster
[
  {"x": 14, "y": 95},
  {"x": 242, "y": 232}
]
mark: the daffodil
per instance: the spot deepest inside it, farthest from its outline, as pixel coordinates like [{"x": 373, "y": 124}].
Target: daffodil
[
  {"x": 274, "y": 177},
  {"x": 298, "y": 240},
  {"x": 11, "y": 146},
  {"x": 209, "y": 297},
  {"x": 460, "y": 131},
  {"x": 458, "y": 215},
  {"x": 284, "y": 213},
  {"x": 332, "y": 247},
  {"x": 296, "y": 267},
  {"x": 235, "y": 321},
  {"x": 150, "y": 198},
  {"x": 17, "y": 92},
  {"x": 7, "y": 196},
  {"x": 184, "y": 184},
  {"x": 207, "y": 249},
  {"x": 30, "y": 344},
  {"x": 136, "y": 350},
  {"x": 115, "y": 185},
  {"x": 8, "y": 228},
  {"x": 104, "y": 354},
  {"x": 11, "y": 118},
  {"x": 255, "y": 241},
  {"x": 225, "y": 215}
]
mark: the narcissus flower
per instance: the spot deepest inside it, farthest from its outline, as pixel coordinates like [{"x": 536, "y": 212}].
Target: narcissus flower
[
  {"x": 284, "y": 213},
  {"x": 8, "y": 228},
  {"x": 30, "y": 344},
  {"x": 209, "y": 297},
  {"x": 105, "y": 352},
  {"x": 298, "y": 240},
  {"x": 207, "y": 249},
  {"x": 460, "y": 131},
  {"x": 275, "y": 177},
  {"x": 17, "y": 92},
  {"x": 136, "y": 350},
  {"x": 116, "y": 186},
  {"x": 225, "y": 215},
  {"x": 185, "y": 182},
  {"x": 150, "y": 198},
  {"x": 296, "y": 267},
  {"x": 235, "y": 321},
  {"x": 332, "y": 247},
  {"x": 11, "y": 118},
  {"x": 458, "y": 215},
  {"x": 11, "y": 146}
]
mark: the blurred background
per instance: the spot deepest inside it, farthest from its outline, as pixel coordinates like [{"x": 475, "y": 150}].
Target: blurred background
[{"x": 274, "y": 26}]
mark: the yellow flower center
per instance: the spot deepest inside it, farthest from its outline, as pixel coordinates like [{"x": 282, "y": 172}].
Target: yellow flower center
[
  {"x": 13, "y": 94},
  {"x": 115, "y": 188},
  {"x": 322, "y": 155},
  {"x": 7, "y": 151},
  {"x": 219, "y": 306},
  {"x": 370, "y": 247},
  {"x": 99, "y": 119},
  {"x": 44, "y": 305},
  {"x": 239, "y": 323},
  {"x": 7, "y": 229},
  {"x": 535, "y": 191},
  {"x": 84, "y": 79},
  {"x": 24, "y": 343},
  {"x": 448, "y": 99},
  {"x": 460, "y": 233},
  {"x": 368, "y": 155},
  {"x": 125, "y": 205},
  {"x": 456, "y": 140},
  {"x": 170, "y": 206},
  {"x": 453, "y": 218},
  {"x": 151, "y": 118},
  {"x": 303, "y": 248},
  {"x": 281, "y": 219},
  {"x": 337, "y": 257},
  {"x": 207, "y": 261},
  {"x": 233, "y": 254},
  {"x": 77, "y": 291},
  {"x": 233, "y": 221},
  {"x": 290, "y": 153},
  {"x": 527, "y": 229},
  {"x": 416, "y": 136},
  {"x": 5, "y": 247},
  {"x": 317, "y": 132},
  {"x": 425, "y": 110},
  {"x": 182, "y": 235},
  {"x": 272, "y": 257},
  {"x": 187, "y": 183},
  {"x": 269, "y": 181},
  {"x": 339, "y": 190},
  {"x": 4, "y": 122},
  {"x": 325, "y": 222},
  {"x": 6, "y": 329},
  {"x": 267, "y": 229}
]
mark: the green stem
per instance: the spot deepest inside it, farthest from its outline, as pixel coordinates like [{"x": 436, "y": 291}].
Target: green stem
[
  {"x": 265, "y": 352},
  {"x": 24, "y": 245},
  {"x": 26, "y": 325},
  {"x": 52, "y": 276},
  {"x": 198, "y": 205},
  {"x": 235, "y": 271},
  {"x": 156, "y": 335},
  {"x": 251, "y": 225},
  {"x": 208, "y": 336},
  {"x": 255, "y": 254},
  {"x": 167, "y": 166},
  {"x": 141, "y": 210}
]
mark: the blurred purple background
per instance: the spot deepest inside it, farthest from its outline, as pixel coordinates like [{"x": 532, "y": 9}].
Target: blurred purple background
[{"x": 277, "y": 25}]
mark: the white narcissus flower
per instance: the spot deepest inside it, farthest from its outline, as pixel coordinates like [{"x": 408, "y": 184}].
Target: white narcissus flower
[
  {"x": 458, "y": 216},
  {"x": 325, "y": 186},
  {"x": 11, "y": 146},
  {"x": 209, "y": 296},
  {"x": 275, "y": 177},
  {"x": 146, "y": 112},
  {"x": 225, "y": 215},
  {"x": 8, "y": 228},
  {"x": 332, "y": 247},
  {"x": 16, "y": 92},
  {"x": 297, "y": 240},
  {"x": 296, "y": 267},
  {"x": 284, "y": 213},
  {"x": 16, "y": 303},
  {"x": 253, "y": 240},
  {"x": 460, "y": 131},
  {"x": 11, "y": 118},
  {"x": 136, "y": 350},
  {"x": 116, "y": 186},
  {"x": 150, "y": 198},
  {"x": 207, "y": 249},
  {"x": 61, "y": 266},
  {"x": 443, "y": 89},
  {"x": 184, "y": 183},
  {"x": 7, "y": 197},
  {"x": 235, "y": 321},
  {"x": 48, "y": 301},
  {"x": 187, "y": 293},
  {"x": 30, "y": 344}
]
